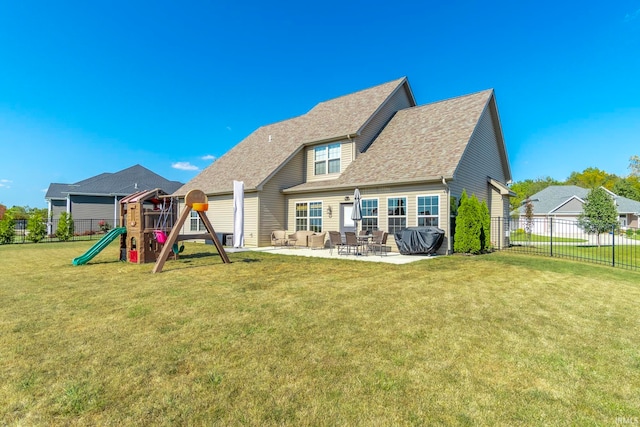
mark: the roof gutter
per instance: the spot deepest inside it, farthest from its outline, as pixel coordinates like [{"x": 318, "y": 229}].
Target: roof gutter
[{"x": 367, "y": 184}]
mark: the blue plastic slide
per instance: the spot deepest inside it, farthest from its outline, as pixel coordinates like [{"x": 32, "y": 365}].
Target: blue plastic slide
[{"x": 99, "y": 246}]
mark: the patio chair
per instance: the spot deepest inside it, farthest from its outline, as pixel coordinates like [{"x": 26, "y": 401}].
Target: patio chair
[
  {"x": 279, "y": 238},
  {"x": 335, "y": 241},
  {"x": 351, "y": 241},
  {"x": 382, "y": 245},
  {"x": 376, "y": 239},
  {"x": 316, "y": 241}
]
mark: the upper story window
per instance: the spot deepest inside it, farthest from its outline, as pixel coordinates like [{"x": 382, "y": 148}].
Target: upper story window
[
  {"x": 428, "y": 208},
  {"x": 327, "y": 159}
]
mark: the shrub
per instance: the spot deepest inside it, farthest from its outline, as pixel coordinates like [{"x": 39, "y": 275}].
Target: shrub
[
  {"x": 629, "y": 232},
  {"x": 65, "y": 227},
  {"x": 104, "y": 226},
  {"x": 36, "y": 227},
  {"x": 473, "y": 226},
  {"x": 7, "y": 228}
]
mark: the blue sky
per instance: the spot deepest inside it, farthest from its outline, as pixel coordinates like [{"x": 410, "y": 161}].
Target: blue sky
[{"x": 92, "y": 87}]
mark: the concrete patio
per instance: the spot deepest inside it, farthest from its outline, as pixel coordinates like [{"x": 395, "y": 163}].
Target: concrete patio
[{"x": 390, "y": 257}]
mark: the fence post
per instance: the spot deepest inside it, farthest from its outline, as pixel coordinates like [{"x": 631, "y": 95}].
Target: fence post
[
  {"x": 613, "y": 245},
  {"x": 551, "y": 235}
]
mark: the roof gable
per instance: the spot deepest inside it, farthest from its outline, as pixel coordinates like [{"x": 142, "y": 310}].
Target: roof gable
[
  {"x": 124, "y": 182},
  {"x": 263, "y": 152},
  {"x": 553, "y": 198},
  {"x": 423, "y": 143}
]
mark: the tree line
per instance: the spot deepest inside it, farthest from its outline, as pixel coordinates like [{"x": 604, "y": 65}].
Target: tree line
[{"x": 628, "y": 186}]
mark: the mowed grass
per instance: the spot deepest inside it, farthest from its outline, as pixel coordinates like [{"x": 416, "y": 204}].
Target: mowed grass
[{"x": 501, "y": 339}]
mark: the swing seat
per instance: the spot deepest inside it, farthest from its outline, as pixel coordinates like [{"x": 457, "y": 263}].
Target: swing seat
[{"x": 161, "y": 236}]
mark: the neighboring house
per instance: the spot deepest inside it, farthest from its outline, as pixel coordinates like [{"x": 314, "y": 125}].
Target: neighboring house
[
  {"x": 97, "y": 197},
  {"x": 408, "y": 161},
  {"x": 564, "y": 203}
]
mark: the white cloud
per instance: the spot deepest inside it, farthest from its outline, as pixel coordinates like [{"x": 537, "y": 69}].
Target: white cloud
[
  {"x": 4, "y": 183},
  {"x": 631, "y": 16},
  {"x": 184, "y": 166},
  {"x": 208, "y": 157}
]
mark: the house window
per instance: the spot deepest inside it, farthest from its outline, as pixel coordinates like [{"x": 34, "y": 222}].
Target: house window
[
  {"x": 397, "y": 213},
  {"x": 196, "y": 223},
  {"x": 309, "y": 216},
  {"x": 428, "y": 209},
  {"x": 369, "y": 214},
  {"x": 327, "y": 159}
]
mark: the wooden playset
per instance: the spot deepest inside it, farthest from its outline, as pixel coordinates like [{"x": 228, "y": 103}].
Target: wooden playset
[{"x": 152, "y": 230}]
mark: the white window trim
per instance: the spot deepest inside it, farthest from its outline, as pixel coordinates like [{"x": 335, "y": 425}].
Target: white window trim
[
  {"x": 406, "y": 210},
  {"x": 418, "y": 216},
  {"x": 327, "y": 159},
  {"x": 308, "y": 217},
  {"x": 377, "y": 216}
]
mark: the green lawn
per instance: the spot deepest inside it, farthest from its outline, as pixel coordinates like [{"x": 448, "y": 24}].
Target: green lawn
[
  {"x": 624, "y": 256},
  {"x": 501, "y": 339},
  {"x": 520, "y": 237}
]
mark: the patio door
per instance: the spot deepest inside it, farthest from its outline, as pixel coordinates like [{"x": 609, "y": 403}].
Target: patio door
[{"x": 346, "y": 223}]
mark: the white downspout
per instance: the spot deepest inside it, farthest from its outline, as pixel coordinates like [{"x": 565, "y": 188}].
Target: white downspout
[{"x": 448, "y": 210}]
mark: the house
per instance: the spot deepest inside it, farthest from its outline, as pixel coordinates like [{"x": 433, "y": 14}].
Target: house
[
  {"x": 409, "y": 162},
  {"x": 564, "y": 203},
  {"x": 98, "y": 197}
]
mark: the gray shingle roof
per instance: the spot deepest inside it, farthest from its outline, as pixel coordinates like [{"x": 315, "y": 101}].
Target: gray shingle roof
[
  {"x": 259, "y": 155},
  {"x": 552, "y": 197},
  {"x": 419, "y": 143},
  {"x": 122, "y": 183}
]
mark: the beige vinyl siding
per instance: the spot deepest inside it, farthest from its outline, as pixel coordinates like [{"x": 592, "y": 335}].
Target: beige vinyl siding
[
  {"x": 346, "y": 156},
  {"x": 398, "y": 101},
  {"x": 328, "y": 198},
  {"x": 272, "y": 204},
  {"x": 220, "y": 215},
  {"x": 410, "y": 192},
  {"x": 480, "y": 160}
]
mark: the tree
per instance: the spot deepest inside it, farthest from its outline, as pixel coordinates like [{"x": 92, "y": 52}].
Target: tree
[
  {"x": 529, "y": 187},
  {"x": 36, "y": 227},
  {"x": 485, "y": 231},
  {"x": 65, "y": 227},
  {"x": 634, "y": 165},
  {"x": 628, "y": 187},
  {"x": 528, "y": 217},
  {"x": 592, "y": 178},
  {"x": 473, "y": 226},
  {"x": 7, "y": 228},
  {"x": 599, "y": 214},
  {"x": 467, "y": 237}
]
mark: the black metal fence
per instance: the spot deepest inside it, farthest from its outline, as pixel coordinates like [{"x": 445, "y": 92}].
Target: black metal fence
[
  {"x": 83, "y": 229},
  {"x": 617, "y": 247}
]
